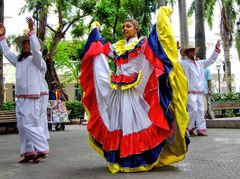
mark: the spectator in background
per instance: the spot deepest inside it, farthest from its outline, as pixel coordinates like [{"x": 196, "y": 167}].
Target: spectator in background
[
  {"x": 208, "y": 110},
  {"x": 54, "y": 92}
]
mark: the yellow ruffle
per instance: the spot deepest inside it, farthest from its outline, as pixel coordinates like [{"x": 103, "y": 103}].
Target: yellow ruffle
[
  {"x": 176, "y": 151},
  {"x": 128, "y": 86},
  {"x": 121, "y": 47}
]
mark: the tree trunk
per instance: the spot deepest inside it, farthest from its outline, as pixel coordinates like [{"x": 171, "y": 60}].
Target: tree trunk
[
  {"x": 1, "y": 57},
  {"x": 51, "y": 74},
  {"x": 200, "y": 29},
  {"x": 42, "y": 27},
  {"x": 228, "y": 71},
  {"x": 226, "y": 35},
  {"x": 184, "y": 40},
  {"x": 161, "y": 3}
]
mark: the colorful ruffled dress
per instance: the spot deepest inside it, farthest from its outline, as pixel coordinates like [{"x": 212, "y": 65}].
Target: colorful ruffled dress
[{"x": 137, "y": 116}]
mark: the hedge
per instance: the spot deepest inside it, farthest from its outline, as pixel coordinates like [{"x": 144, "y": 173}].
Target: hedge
[
  {"x": 76, "y": 108},
  {"x": 226, "y": 97}
]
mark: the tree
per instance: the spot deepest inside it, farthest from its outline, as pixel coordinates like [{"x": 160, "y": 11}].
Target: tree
[
  {"x": 161, "y": 3},
  {"x": 67, "y": 60},
  {"x": 199, "y": 28},
  {"x": 111, "y": 13},
  {"x": 1, "y": 57},
  {"x": 184, "y": 39},
  {"x": 165, "y": 3},
  {"x": 229, "y": 12},
  {"x": 68, "y": 12},
  {"x": 237, "y": 43}
]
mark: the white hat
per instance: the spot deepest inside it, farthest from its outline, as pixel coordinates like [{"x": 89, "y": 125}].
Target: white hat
[
  {"x": 188, "y": 47},
  {"x": 20, "y": 39}
]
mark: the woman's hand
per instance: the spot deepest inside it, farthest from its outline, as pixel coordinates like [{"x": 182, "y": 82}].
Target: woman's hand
[
  {"x": 30, "y": 23},
  {"x": 2, "y": 29},
  {"x": 95, "y": 24}
]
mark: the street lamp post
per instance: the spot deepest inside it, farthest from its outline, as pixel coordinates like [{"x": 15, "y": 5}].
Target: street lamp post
[
  {"x": 238, "y": 25},
  {"x": 219, "y": 83}
]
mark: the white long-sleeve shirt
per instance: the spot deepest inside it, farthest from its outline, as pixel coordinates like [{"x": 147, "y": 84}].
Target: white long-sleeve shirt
[
  {"x": 194, "y": 71},
  {"x": 30, "y": 71}
]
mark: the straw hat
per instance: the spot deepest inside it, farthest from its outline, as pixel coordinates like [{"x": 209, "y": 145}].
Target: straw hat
[
  {"x": 188, "y": 47},
  {"x": 20, "y": 39}
]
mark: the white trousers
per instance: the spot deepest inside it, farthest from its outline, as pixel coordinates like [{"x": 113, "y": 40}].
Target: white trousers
[
  {"x": 196, "y": 112},
  {"x": 43, "y": 115},
  {"x": 32, "y": 139}
]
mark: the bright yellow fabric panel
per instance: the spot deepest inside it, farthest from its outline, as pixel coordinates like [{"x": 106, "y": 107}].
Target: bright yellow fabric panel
[
  {"x": 176, "y": 151},
  {"x": 121, "y": 47}
]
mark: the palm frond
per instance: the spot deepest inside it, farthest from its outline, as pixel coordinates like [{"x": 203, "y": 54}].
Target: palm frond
[
  {"x": 209, "y": 7},
  {"x": 237, "y": 43},
  {"x": 191, "y": 10}
]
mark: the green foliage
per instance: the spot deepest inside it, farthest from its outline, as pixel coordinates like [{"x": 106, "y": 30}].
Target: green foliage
[
  {"x": 79, "y": 29},
  {"x": 209, "y": 8},
  {"x": 67, "y": 59},
  {"x": 7, "y": 106},
  {"x": 237, "y": 43},
  {"x": 226, "y": 97},
  {"x": 111, "y": 13},
  {"x": 76, "y": 108}
]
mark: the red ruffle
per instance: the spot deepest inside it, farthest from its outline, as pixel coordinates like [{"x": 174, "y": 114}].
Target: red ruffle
[
  {"x": 154, "y": 60},
  {"x": 134, "y": 143},
  {"x": 124, "y": 78},
  {"x": 106, "y": 48}
]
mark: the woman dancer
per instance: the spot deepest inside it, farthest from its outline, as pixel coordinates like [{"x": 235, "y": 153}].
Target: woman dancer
[{"x": 137, "y": 116}]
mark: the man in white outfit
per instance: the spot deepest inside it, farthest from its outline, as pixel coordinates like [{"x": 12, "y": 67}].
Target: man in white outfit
[
  {"x": 29, "y": 64},
  {"x": 44, "y": 102},
  {"x": 194, "y": 70}
]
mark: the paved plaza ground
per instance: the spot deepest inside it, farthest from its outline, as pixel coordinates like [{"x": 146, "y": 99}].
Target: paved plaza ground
[{"x": 216, "y": 156}]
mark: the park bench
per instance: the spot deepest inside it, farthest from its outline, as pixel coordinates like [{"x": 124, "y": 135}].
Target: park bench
[
  {"x": 8, "y": 120},
  {"x": 224, "y": 105}
]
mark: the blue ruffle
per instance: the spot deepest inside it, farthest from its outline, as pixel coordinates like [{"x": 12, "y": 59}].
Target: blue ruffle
[
  {"x": 94, "y": 36},
  {"x": 165, "y": 90},
  {"x": 133, "y": 161}
]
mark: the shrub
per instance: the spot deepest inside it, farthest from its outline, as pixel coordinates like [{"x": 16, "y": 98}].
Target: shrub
[
  {"x": 7, "y": 106},
  {"x": 76, "y": 108},
  {"x": 226, "y": 97}
]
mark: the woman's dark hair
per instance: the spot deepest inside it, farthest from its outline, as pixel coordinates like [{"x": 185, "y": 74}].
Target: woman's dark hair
[
  {"x": 134, "y": 23},
  {"x": 23, "y": 55},
  {"x": 45, "y": 52}
]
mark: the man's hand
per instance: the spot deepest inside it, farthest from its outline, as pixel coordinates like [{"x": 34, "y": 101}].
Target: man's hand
[
  {"x": 2, "y": 29},
  {"x": 218, "y": 45},
  {"x": 30, "y": 23}
]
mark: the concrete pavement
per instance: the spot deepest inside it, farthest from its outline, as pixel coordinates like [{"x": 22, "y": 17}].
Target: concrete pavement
[
  {"x": 233, "y": 123},
  {"x": 216, "y": 156}
]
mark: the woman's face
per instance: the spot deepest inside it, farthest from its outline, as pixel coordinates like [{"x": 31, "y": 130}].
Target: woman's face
[
  {"x": 26, "y": 46},
  {"x": 129, "y": 30}
]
